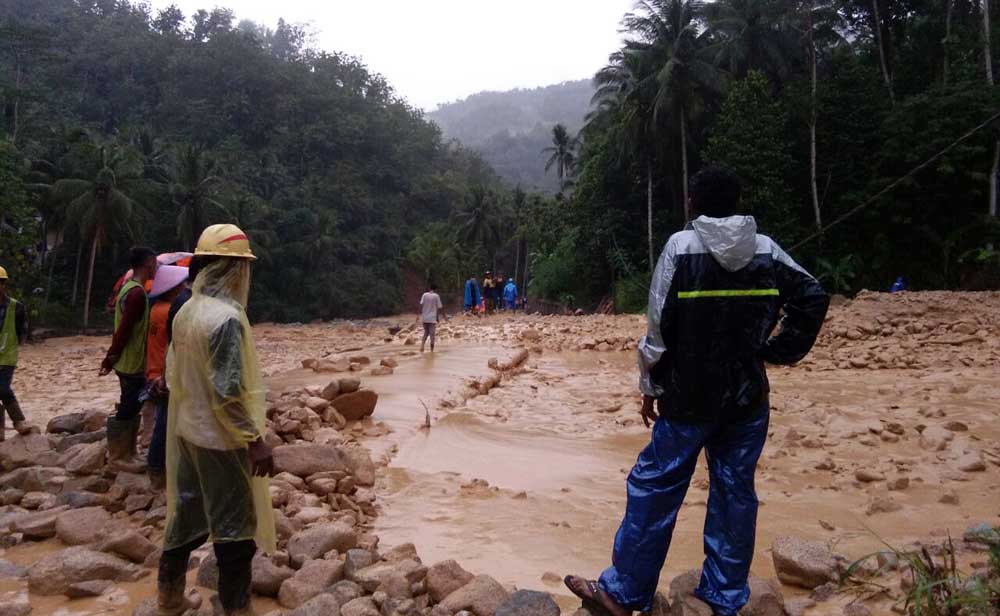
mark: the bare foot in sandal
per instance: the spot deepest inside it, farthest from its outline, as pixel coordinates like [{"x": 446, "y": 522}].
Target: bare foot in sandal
[{"x": 589, "y": 591}]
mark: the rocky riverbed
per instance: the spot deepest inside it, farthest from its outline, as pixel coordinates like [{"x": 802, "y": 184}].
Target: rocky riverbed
[{"x": 436, "y": 484}]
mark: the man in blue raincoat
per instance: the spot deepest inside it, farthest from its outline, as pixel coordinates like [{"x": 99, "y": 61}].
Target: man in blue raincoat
[
  {"x": 472, "y": 294},
  {"x": 510, "y": 295},
  {"x": 715, "y": 299}
]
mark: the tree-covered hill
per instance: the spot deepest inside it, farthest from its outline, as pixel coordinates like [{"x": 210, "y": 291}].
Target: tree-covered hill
[{"x": 510, "y": 129}]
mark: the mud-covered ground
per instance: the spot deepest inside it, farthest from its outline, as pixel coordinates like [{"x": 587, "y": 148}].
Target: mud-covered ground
[{"x": 886, "y": 434}]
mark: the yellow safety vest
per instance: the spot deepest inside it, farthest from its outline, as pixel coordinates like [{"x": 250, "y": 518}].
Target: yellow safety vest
[
  {"x": 133, "y": 357},
  {"x": 8, "y": 335}
]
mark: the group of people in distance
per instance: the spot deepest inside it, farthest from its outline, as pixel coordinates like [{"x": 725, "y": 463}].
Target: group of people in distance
[{"x": 494, "y": 294}]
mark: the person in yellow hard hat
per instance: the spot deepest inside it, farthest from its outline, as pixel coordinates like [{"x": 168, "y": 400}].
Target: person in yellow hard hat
[
  {"x": 13, "y": 331},
  {"x": 218, "y": 463}
]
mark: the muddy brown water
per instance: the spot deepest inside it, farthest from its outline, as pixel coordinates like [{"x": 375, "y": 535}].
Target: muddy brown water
[{"x": 527, "y": 483}]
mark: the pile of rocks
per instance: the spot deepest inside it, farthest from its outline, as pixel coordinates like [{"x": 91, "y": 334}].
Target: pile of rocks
[
  {"x": 350, "y": 363},
  {"x": 317, "y": 414}
]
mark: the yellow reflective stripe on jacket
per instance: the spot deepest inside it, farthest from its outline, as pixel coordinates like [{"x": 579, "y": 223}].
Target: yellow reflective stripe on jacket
[
  {"x": 728, "y": 293},
  {"x": 8, "y": 335}
]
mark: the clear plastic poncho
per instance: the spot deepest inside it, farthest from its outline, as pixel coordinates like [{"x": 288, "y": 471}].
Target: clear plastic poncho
[{"x": 216, "y": 408}]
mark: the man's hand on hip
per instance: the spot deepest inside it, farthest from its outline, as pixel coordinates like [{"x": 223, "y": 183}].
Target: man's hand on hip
[{"x": 648, "y": 410}]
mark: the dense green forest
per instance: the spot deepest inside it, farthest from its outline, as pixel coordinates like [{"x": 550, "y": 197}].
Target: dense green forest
[
  {"x": 121, "y": 125},
  {"x": 510, "y": 129}
]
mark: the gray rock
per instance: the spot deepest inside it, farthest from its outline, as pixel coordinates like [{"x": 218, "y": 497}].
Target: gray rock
[
  {"x": 208, "y": 572},
  {"x": 483, "y": 595},
  {"x": 445, "y": 578},
  {"x": 294, "y": 593},
  {"x": 92, "y": 588},
  {"x": 529, "y": 603},
  {"x": 317, "y": 540},
  {"x": 268, "y": 577},
  {"x": 395, "y": 586},
  {"x": 348, "y": 385},
  {"x": 370, "y": 578},
  {"x": 360, "y": 465},
  {"x": 807, "y": 564},
  {"x": 129, "y": 544},
  {"x": 81, "y": 526},
  {"x": 331, "y": 390},
  {"x": 362, "y": 606},
  {"x": 982, "y": 533},
  {"x": 401, "y": 552},
  {"x": 355, "y": 560},
  {"x": 17, "y": 606},
  {"x": 10, "y": 496},
  {"x": 56, "y": 572},
  {"x": 84, "y": 459},
  {"x": 9, "y": 570},
  {"x": 321, "y": 573},
  {"x": 77, "y": 499},
  {"x": 320, "y": 605},
  {"x": 766, "y": 599},
  {"x": 305, "y": 459},
  {"x": 27, "y": 450},
  {"x": 39, "y": 525},
  {"x": 681, "y": 596},
  {"x": 856, "y": 609},
  {"x": 75, "y": 423},
  {"x": 34, "y": 479},
  {"x": 67, "y": 442},
  {"x": 356, "y": 405},
  {"x": 345, "y": 591}
]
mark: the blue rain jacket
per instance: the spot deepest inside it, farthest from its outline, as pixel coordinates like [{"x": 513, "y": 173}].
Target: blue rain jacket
[
  {"x": 472, "y": 294},
  {"x": 510, "y": 294}
]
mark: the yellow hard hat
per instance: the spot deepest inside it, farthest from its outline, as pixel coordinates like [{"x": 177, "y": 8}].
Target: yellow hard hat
[
  {"x": 224, "y": 241},
  {"x": 3, "y": 274}
]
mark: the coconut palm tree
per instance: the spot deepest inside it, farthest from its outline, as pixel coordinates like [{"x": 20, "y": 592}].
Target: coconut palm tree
[
  {"x": 97, "y": 199},
  {"x": 480, "y": 222},
  {"x": 667, "y": 33},
  {"x": 193, "y": 191},
  {"x": 625, "y": 91},
  {"x": 562, "y": 153},
  {"x": 752, "y": 35}
]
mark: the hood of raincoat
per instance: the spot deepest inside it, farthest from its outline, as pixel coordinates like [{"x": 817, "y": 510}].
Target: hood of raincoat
[
  {"x": 225, "y": 279},
  {"x": 732, "y": 241}
]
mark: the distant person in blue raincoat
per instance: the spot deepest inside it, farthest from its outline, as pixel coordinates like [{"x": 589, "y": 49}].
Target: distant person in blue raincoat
[
  {"x": 716, "y": 295},
  {"x": 510, "y": 295},
  {"x": 472, "y": 294},
  {"x": 898, "y": 286}
]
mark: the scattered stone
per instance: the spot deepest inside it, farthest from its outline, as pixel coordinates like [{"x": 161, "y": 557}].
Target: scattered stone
[
  {"x": 824, "y": 592},
  {"x": 208, "y": 572},
  {"x": 971, "y": 463},
  {"x": 81, "y": 526},
  {"x": 305, "y": 459},
  {"x": 529, "y": 603},
  {"x": 882, "y": 504},
  {"x": 331, "y": 365},
  {"x": 404, "y": 551},
  {"x": 935, "y": 438},
  {"x": 349, "y": 385},
  {"x": 331, "y": 390},
  {"x": 92, "y": 588},
  {"x": 138, "y": 502},
  {"x": 28, "y": 450},
  {"x": 75, "y": 499},
  {"x": 856, "y": 609},
  {"x": 866, "y": 475},
  {"x": 949, "y": 498},
  {"x": 362, "y": 606},
  {"x": 320, "y": 605},
  {"x": 898, "y": 483},
  {"x": 983, "y": 533},
  {"x": 84, "y": 459},
  {"x": 445, "y": 578},
  {"x": 16, "y": 606},
  {"x": 37, "y": 526},
  {"x": 133, "y": 483},
  {"x": 766, "y": 598},
  {"x": 321, "y": 573},
  {"x": 345, "y": 591},
  {"x": 682, "y": 599},
  {"x": 356, "y": 405},
  {"x": 55, "y": 573},
  {"x": 268, "y": 577},
  {"x": 9, "y": 570},
  {"x": 483, "y": 596},
  {"x": 389, "y": 362},
  {"x": 129, "y": 544},
  {"x": 314, "y": 542},
  {"x": 798, "y": 606},
  {"x": 294, "y": 593},
  {"x": 956, "y": 426},
  {"x": 38, "y": 500},
  {"x": 807, "y": 564},
  {"x": 75, "y": 423}
]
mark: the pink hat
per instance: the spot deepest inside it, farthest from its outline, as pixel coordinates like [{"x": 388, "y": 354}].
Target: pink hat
[{"x": 167, "y": 278}]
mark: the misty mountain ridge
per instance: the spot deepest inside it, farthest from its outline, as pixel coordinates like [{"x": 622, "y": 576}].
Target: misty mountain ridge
[{"x": 510, "y": 129}]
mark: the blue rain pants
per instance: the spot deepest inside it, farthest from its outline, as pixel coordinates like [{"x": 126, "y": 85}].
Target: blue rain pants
[{"x": 656, "y": 488}]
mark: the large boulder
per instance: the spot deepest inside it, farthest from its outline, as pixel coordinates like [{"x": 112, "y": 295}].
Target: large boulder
[
  {"x": 37, "y": 525},
  {"x": 75, "y": 423},
  {"x": 529, "y": 603},
  {"x": 305, "y": 459},
  {"x": 321, "y": 605},
  {"x": 35, "y": 479},
  {"x": 84, "y": 459},
  {"x": 129, "y": 544},
  {"x": 55, "y": 573},
  {"x": 445, "y": 578},
  {"x": 357, "y": 405},
  {"x": 27, "y": 450},
  {"x": 682, "y": 600},
  {"x": 482, "y": 596},
  {"x": 316, "y": 541},
  {"x": 81, "y": 526},
  {"x": 802, "y": 563},
  {"x": 267, "y": 577}
]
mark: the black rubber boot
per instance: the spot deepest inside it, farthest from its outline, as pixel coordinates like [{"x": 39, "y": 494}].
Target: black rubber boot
[
  {"x": 235, "y": 573},
  {"x": 121, "y": 445},
  {"x": 170, "y": 580}
]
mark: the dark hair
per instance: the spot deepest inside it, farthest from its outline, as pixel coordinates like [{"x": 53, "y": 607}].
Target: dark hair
[
  {"x": 138, "y": 255},
  {"x": 433, "y": 286},
  {"x": 715, "y": 192},
  {"x": 198, "y": 263}
]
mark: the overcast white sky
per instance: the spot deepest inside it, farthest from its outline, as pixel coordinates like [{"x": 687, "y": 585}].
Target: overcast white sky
[{"x": 436, "y": 51}]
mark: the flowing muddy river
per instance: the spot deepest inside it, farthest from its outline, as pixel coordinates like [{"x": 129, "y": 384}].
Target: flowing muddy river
[{"x": 527, "y": 482}]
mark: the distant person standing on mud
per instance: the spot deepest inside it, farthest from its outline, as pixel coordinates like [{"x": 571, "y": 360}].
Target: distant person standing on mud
[
  {"x": 430, "y": 309},
  {"x": 472, "y": 295},
  {"x": 13, "y": 331},
  {"x": 489, "y": 292},
  {"x": 715, "y": 298}
]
